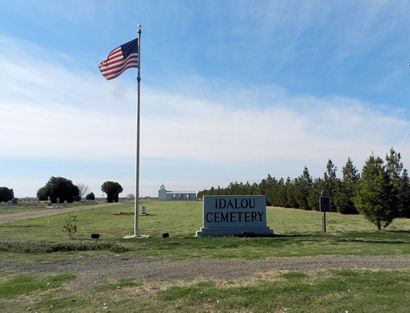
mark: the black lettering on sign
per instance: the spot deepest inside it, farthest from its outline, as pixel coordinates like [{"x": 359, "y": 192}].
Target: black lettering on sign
[
  {"x": 248, "y": 216},
  {"x": 235, "y": 203},
  {"x": 207, "y": 217},
  {"x": 222, "y": 204},
  {"x": 260, "y": 216},
  {"x": 224, "y": 217},
  {"x": 254, "y": 216}
]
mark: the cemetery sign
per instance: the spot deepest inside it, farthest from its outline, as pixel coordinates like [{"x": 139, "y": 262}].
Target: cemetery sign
[{"x": 234, "y": 215}]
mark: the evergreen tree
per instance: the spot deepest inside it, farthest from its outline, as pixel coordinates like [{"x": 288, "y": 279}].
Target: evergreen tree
[
  {"x": 302, "y": 188},
  {"x": 282, "y": 199},
  {"x": 265, "y": 188},
  {"x": 255, "y": 189},
  {"x": 290, "y": 193},
  {"x": 404, "y": 199},
  {"x": 218, "y": 190},
  {"x": 399, "y": 181},
  {"x": 373, "y": 198},
  {"x": 330, "y": 183},
  {"x": 314, "y": 193},
  {"x": 343, "y": 198}
]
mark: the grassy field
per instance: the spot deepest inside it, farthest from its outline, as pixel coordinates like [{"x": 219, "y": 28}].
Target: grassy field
[
  {"x": 32, "y": 206},
  {"x": 329, "y": 291},
  {"x": 298, "y": 234}
]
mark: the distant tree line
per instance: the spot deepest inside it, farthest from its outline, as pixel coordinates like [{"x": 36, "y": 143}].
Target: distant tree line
[
  {"x": 62, "y": 189},
  {"x": 381, "y": 192}
]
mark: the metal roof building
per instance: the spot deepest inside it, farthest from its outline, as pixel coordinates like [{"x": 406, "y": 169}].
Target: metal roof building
[{"x": 164, "y": 194}]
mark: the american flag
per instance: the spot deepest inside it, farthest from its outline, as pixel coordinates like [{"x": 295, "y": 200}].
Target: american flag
[{"x": 120, "y": 59}]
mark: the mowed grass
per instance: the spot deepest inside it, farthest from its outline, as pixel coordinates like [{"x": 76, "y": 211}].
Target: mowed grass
[
  {"x": 299, "y": 233},
  {"x": 15, "y": 291},
  {"x": 24, "y": 284},
  {"x": 331, "y": 291},
  {"x": 324, "y": 291}
]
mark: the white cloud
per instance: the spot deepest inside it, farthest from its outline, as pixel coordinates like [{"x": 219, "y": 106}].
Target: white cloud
[
  {"x": 60, "y": 132},
  {"x": 290, "y": 127},
  {"x": 48, "y": 111}
]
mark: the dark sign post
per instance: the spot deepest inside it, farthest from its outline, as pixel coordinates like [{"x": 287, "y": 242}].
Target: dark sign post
[
  {"x": 324, "y": 205},
  {"x": 95, "y": 236}
]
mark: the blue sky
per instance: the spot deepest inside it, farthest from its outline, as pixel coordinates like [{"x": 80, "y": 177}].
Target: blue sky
[{"x": 231, "y": 90}]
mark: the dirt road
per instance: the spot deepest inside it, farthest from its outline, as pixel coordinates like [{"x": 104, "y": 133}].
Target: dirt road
[
  {"x": 47, "y": 212},
  {"x": 91, "y": 271}
]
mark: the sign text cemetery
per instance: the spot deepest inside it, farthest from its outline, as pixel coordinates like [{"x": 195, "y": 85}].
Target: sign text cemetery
[{"x": 234, "y": 215}]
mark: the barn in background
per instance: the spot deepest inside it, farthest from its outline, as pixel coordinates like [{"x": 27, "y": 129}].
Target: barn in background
[{"x": 164, "y": 194}]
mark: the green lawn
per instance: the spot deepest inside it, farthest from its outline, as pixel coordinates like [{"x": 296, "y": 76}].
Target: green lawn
[
  {"x": 299, "y": 233},
  {"x": 325, "y": 291},
  {"x": 25, "y": 284}
]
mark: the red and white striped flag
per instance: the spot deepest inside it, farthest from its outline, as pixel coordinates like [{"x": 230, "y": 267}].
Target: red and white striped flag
[{"x": 120, "y": 59}]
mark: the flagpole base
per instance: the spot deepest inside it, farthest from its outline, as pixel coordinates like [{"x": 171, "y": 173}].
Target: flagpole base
[{"x": 138, "y": 236}]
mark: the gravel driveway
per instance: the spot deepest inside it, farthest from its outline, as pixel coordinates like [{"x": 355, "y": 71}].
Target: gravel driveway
[
  {"x": 98, "y": 270},
  {"x": 5, "y": 218}
]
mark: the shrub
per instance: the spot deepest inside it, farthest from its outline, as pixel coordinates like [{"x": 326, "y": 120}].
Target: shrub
[
  {"x": 6, "y": 194},
  {"x": 28, "y": 246},
  {"x": 70, "y": 225},
  {"x": 90, "y": 196}
]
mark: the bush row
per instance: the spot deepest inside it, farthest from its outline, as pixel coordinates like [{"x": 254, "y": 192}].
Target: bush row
[{"x": 43, "y": 246}]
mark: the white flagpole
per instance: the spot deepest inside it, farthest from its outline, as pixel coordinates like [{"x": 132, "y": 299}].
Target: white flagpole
[{"x": 137, "y": 166}]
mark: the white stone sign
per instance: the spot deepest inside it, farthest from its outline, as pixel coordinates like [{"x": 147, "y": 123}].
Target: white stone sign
[{"x": 234, "y": 215}]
